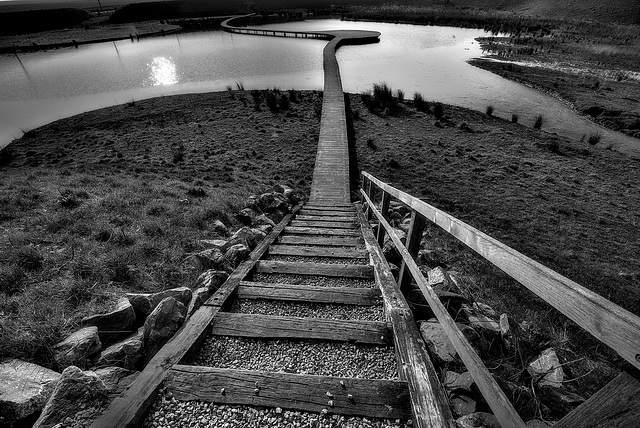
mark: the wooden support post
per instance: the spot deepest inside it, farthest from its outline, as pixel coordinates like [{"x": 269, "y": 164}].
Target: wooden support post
[
  {"x": 370, "y": 194},
  {"x": 384, "y": 210},
  {"x": 364, "y": 183},
  {"x": 413, "y": 246}
]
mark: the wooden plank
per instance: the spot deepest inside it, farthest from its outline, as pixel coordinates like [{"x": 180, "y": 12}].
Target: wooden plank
[
  {"x": 370, "y": 398},
  {"x": 319, "y": 231},
  {"x": 414, "y": 236},
  {"x": 277, "y": 327},
  {"x": 309, "y": 293},
  {"x": 333, "y": 252},
  {"x": 128, "y": 409},
  {"x": 344, "y": 219},
  {"x": 384, "y": 210},
  {"x": 617, "y": 405},
  {"x": 319, "y": 213},
  {"x": 428, "y": 397},
  {"x": 313, "y": 240},
  {"x": 322, "y": 269},
  {"x": 325, "y": 224},
  {"x": 341, "y": 208},
  {"x": 606, "y": 321},
  {"x": 491, "y": 391}
]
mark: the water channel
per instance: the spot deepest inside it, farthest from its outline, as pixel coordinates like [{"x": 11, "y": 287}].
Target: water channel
[{"x": 40, "y": 87}]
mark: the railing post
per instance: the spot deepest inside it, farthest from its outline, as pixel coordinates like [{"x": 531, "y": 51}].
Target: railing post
[
  {"x": 370, "y": 195},
  {"x": 363, "y": 186},
  {"x": 414, "y": 235},
  {"x": 384, "y": 210}
]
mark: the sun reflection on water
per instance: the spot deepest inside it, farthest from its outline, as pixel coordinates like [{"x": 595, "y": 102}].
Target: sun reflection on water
[{"x": 163, "y": 71}]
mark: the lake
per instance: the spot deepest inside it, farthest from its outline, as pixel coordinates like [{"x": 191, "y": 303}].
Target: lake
[{"x": 40, "y": 87}]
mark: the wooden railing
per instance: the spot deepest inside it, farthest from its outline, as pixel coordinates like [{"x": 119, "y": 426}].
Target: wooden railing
[
  {"x": 608, "y": 322},
  {"x": 256, "y": 31}
]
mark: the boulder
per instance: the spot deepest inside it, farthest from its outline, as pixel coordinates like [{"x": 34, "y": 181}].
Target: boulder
[
  {"x": 127, "y": 354},
  {"x": 236, "y": 254},
  {"x": 145, "y": 303},
  {"x": 218, "y": 244},
  {"x": 455, "y": 381},
  {"x": 244, "y": 236},
  {"x": 438, "y": 344},
  {"x": 389, "y": 249},
  {"x": 259, "y": 234},
  {"x": 122, "y": 319},
  {"x": 24, "y": 389},
  {"x": 161, "y": 325},
  {"x": 78, "y": 349},
  {"x": 199, "y": 297},
  {"x": 212, "y": 280},
  {"x": 263, "y": 220},
  {"x": 116, "y": 379},
  {"x": 211, "y": 258},
  {"x": 440, "y": 279},
  {"x": 479, "y": 318},
  {"x": 265, "y": 229},
  {"x": 478, "y": 420},
  {"x": 246, "y": 216},
  {"x": 462, "y": 404},
  {"x": 78, "y": 397},
  {"x": 220, "y": 228},
  {"x": 547, "y": 369}
]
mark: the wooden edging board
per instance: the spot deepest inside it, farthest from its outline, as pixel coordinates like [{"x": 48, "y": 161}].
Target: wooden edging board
[
  {"x": 128, "y": 409},
  {"x": 491, "y": 391},
  {"x": 606, "y": 321}
]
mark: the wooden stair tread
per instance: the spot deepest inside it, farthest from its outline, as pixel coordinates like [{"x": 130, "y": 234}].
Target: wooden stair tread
[
  {"x": 320, "y": 231},
  {"x": 322, "y": 269},
  {"x": 327, "y": 207},
  {"x": 338, "y": 218},
  {"x": 320, "y": 213},
  {"x": 327, "y": 224},
  {"x": 309, "y": 293},
  {"x": 333, "y": 252},
  {"x": 371, "y": 397},
  {"x": 348, "y": 241},
  {"x": 280, "y": 327}
]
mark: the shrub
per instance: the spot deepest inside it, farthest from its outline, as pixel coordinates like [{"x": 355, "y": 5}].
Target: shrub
[
  {"x": 196, "y": 192},
  {"x": 594, "y": 138},
  {"x": 230, "y": 91},
  {"x": 272, "y": 101},
  {"x": 293, "y": 95},
  {"x": 283, "y": 102},
  {"x": 240, "y": 86},
  {"x": 400, "y": 95},
  {"x": 419, "y": 103},
  {"x": 489, "y": 110},
  {"x": 178, "y": 150},
  {"x": 257, "y": 98},
  {"x": 514, "y": 118},
  {"x": 538, "y": 123},
  {"x": 438, "y": 111},
  {"x": 383, "y": 97},
  {"x": 6, "y": 156}
]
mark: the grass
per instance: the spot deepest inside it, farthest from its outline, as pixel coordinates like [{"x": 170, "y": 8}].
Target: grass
[
  {"x": 537, "y": 124},
  {"x": 419, "y": 103},
  {"x": 489, "y": 110},
  {"x": 594, "y": 139},
  {"x": 514, "y": 118}
]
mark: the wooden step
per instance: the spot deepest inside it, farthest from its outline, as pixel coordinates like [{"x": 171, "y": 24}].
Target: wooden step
[
  {"x": 277, "y": 327},
  {"x": 325, "y": 218},
  {"x": 322, "y": 269},
  {"x": 343, "y": 208},
  {"x": 348, "y": 241},
  {"x": 328, "y": 224},
  {"x": 309, "y": 293},
  {"x": 320, "y": 231},
  {"x": 299, "y": 250},
  {"x": 326, "y": 213},
  {"x": 369, "y": 397}
]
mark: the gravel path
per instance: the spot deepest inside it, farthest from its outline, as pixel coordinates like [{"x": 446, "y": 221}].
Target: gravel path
[
  {"x": 328, "y": 260},
  {"x": 319, "y": 281},
  {"x": 302, "y": 357},
  {"x": 308, "y": 310},
  {"x": 167, "y": 412}
]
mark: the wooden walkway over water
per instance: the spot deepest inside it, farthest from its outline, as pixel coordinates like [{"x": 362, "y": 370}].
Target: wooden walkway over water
[{"x": 330, "y": 184}]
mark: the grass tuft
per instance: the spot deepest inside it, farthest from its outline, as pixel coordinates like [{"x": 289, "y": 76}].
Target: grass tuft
[
  {"x": 538, "y": 122},
  {"x": 594, "y": 138},
  {"x": 514, "y": 118},
  {"x": 489, "y": 110},
  {"x": 419, "y": 103}
]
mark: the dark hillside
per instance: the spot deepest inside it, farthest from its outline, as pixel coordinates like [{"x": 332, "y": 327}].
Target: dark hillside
[{"x": 40, "y": 20}]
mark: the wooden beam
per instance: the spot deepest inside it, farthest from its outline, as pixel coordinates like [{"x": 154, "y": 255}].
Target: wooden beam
[
  {"x": 322, "y": 269},
  {"x": 309, "y": 293},
  {"x": 312, "y": 240},
  {"x": 416, "y": 226},
  {"x": 428, "y": 397},
  {"x": 333, "y": 252},
  {"x": 319, "y": 213},
  {"x": 384, "y": 209},
  {"x": 319, "y": 231},
  {"x": 277, "y": 327},
  {"x": 343, "y": 208},
  {"x": 616, "y": 405},
  {"x": 345, "y": 219},
  {"x": 369, "y": 397},
  {"x": 606, "y": 321},
  {"x": 128, "y": 409},
  {"x": 491, "y": 391},
  {"x": 327, "y": 224}
]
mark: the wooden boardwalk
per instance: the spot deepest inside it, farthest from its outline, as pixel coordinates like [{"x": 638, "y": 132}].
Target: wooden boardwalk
[{"x": 330, "y": 184}]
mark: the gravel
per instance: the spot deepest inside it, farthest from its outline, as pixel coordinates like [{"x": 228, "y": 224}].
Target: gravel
[
  {"x": 328, "y": 260},
  {"x": 302, "y": 357},
  {"x": 167, "y": 412},
  {"x": 308, "y": 310},
  {"x": 317, "y": 280}
]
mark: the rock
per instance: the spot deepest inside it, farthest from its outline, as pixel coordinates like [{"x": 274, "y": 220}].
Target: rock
[
  {"x": 536, "y": 423},
  {"x": 219, "y": 244},
  {"x": 199, "y": 297},
  {"x": 438, "y": 344},
  {"x": 145, "y": 303},
  {"x": 259, "y": 234},
  {"x": 244, "y": 236},
  {"x": 462, "y": 404},
  {"x": 560, "y": 400},
  {"x": 220, "y": 228},
  {"x": 479, "y": 343},
  {"x": 265, "y": 228},
  {"x": 510, "y": 332},
  {"x": 440, "y": 279},
  {"x": 127, "y": 354},
  {"x": 236, "y": 254},
  {"x": 547, "y": 368},
  {"x": 161, "y": 325},
  {"x": 212, "y": 280},
  {"x": 123, "y": 318},
  {"x": 76, "y": 390},
  {"x": 281, "y": 188},
  {"x": 263, "y": 220},
  {"x": 212, "y": 258},
  {"x": 246, "y": 216},
  {"x": 395, "y": 270},
  {"x": 116, "y": 379},
  {"x": 24, "y": 389},
  {"x": 79, "y": 348},
  {"x": 480, "y": 320},
  {"x": 478, "y": 420},
  {"x": 454, "y": 381},
  {"x": 389, "y": 249}
]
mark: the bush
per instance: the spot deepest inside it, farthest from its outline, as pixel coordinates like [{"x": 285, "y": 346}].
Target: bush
[
  {"x": 400, "y": 95},
  {"x": 538, "y": 123},
  {"x": 514, "y": 118},
  {"x": 272, "y": 101},
  {"x": 283, "y": 102},
  {"x": 293, "y": 95},
  {"x": 438, "y": 111},
  {"x": 196, "y": 192},
  {"x": 489, "y": 110},
  {"x": 419, "y": 103},
  {"x": 178, "y": 151},
  {"x": 594, "y": 138},
  {"x": 6, "y": 156},
  {"x": 383, "y": 97},
  {"x": 257, "y": 98}
]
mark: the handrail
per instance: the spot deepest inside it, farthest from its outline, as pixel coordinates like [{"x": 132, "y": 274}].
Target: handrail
[
  {"x": 606, "y": 321},
  {"x": 491, "y": 391},
  {"x": 226, "y": 26}
]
